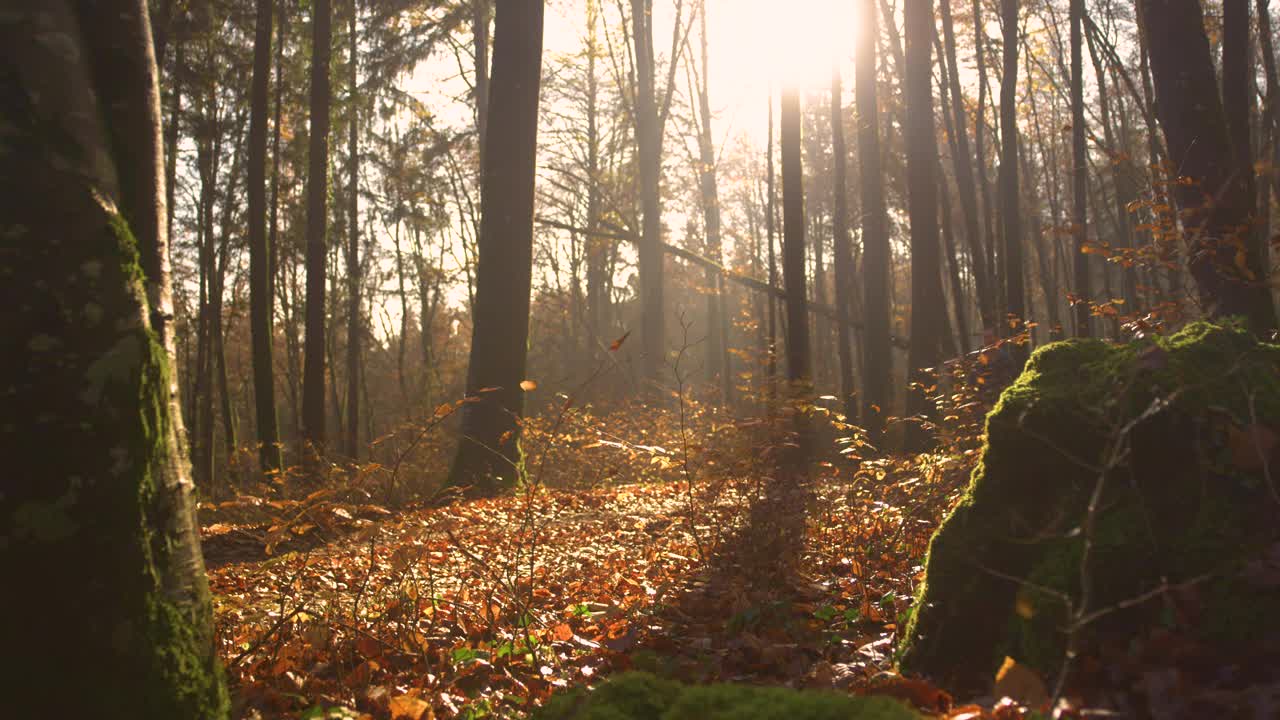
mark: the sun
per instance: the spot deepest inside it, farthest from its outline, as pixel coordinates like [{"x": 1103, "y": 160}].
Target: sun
[
  {"x": 758, "y": 46},
  {"x": 784, "y": 42}
]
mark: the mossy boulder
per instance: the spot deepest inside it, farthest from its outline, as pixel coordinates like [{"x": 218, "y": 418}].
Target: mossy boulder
[
  {"x": 1171, "y": 441},
  {"x": 641, "y": 696}
]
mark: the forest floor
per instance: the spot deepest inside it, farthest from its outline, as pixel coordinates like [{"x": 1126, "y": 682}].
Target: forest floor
[{"x": 483, "y": 608}]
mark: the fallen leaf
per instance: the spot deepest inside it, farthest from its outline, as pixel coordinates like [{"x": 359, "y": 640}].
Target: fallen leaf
[
  {"x": 407, "y": 707},
  {"x": 1020, "y": 683}
]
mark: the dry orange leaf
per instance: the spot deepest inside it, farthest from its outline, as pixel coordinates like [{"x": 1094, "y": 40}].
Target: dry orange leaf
[
  {"x": 1020, "y": 683},
  {"x": 407, "y": 707}
]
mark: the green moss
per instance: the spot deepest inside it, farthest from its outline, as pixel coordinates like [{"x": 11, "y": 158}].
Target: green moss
[
  {"x": 1175, "y": 508},
  {"x": 641, "y": 696}
]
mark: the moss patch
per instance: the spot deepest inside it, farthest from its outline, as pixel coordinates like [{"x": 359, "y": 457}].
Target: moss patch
[
  {"x": 1155, "y": 426},
  {"x": 641, "y": 696}
]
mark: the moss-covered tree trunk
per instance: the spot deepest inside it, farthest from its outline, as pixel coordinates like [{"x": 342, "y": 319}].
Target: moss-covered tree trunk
[{"x": 107, "y": 604}]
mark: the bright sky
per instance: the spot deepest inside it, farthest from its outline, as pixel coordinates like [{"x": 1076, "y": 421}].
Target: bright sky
[{"x": 752, "y": 44}]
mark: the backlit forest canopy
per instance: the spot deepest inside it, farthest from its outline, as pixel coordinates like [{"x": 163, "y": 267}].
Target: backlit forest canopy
[{"x": 495, "y": 347}]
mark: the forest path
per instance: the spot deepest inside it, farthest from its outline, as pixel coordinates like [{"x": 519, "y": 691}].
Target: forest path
[{"x": 486, "y": 605}]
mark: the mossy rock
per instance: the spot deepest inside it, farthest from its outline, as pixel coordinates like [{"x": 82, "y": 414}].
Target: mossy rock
[
  {"x": 642, "y": 696},
  {"x": 1185, "y": 501}
]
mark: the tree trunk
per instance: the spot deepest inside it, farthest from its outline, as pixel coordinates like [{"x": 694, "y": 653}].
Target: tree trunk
[
  {"x": 1015, "y": 294},
  {"x": 877, "y": 364},
  {"x": 489, "y": 449},
  {"x": 717, "y": 363},
  {"x": 951, "y": 255},
  {"x": 260, "y": 305},
  {"x": 1079, "y": 178},
  {"x": 596, "y": 249},
  {"x": 649, "y": 159},
  {"x": 116, "y": 611},
  {"x": 273, "y": 228},
  {"x": 355, "y": 329},
  {"x": 313, "y": 412},
  {"x": 480, "y": 14},
  {"x": 771, "y": 361},
  {"x": 964, "y": 175},
  {"x": 980, "y": 149},
  {"x": 844, "y": 268},
  {"x": 1237, "y": 99},
  {"x": 799, "y": 370},
  {"x": 1217, "y": 201},
  {"x": 1121, "y": 193},
  {"x": 927, "y": 304}
]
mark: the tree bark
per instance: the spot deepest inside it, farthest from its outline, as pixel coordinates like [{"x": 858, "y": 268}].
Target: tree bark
[
  {"x": 116, "y": 610},
  {"x": 844, "y": 268},
  {"x": 1011, "y": 220},
  {"x": 799, "y": 364},
  {"x": 260, "y": 300},
  {"x": 771, "y": 361},
  {"x": 489, "y": 454},
  {"x": 927, "y": 304},
  {"x": 355, "y": 329},
  {"x": 877, "y": 361},
  {"x": 718, "y": 371},
  {"x": 649, "y": 159},
  {"x": 481, "y": 11},
  {"x": 313, "y": 411},
  {"x": 1217, "y": 200},
  {"x": 1079, "y": 178},
  {"x": 965, "y": 185}
]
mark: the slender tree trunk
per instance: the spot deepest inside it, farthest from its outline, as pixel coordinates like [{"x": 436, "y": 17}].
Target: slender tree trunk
[
  {"x": 489, "y": 450},
  {"x": 218, "y": 284},
  {"x": 177, "y": 75},
  {"x": 980, "y": 149},
  {"x": 1238, "y": 73},
  {"x": 1080, "y": 177},
  {"x": 799, "y": 364},
  {"x": 953, "y": 263},
  {"x": 273, "y": 228},
  {"x": 1270, "y": 149},
  {"x": 481, "y": 12},
  {"x": 877, "y": 364},
  {"x": 718, "y": 371},
  {"x": 1120, "y": 192},
  {"x": 844, "y": 268},
  {"x": 260, "y": 305},
  {"x": 927, "y": 304},
  {"x": 596, "y": 247},
  {"x": 1271, "y": 102},
  {"x": 964, "y": 174},
  {"x": 355, "y": 329},
  {"x": 1015, "y": 294},
  {"x": 115, "y": 611},
  {"x": 1217, "y": 202},
  {"x": 207, "y": 162},
  {"x": 313, "y": 411},
  {"x": 771, "y": 367},
  {"x": 649, "y": 151}
]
